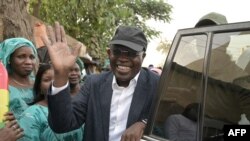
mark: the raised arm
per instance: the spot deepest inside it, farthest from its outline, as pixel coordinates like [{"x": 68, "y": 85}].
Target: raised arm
[
  {"x": 62, "y": 114},
  {"x": 62, "y": 57}
]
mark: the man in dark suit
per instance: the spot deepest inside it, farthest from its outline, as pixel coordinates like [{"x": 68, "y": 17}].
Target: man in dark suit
[{"x": 113, "y": 105}]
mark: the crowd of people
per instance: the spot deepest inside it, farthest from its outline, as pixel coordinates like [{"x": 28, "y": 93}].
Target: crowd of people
[
  {"x": 49, "y": 102},
  {"x": 29, "y": 81}
]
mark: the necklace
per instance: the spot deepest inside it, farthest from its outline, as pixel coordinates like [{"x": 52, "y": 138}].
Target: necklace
[{"x": 24, "y": 85}]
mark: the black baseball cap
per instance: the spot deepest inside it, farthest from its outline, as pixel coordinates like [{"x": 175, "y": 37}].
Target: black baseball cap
[{"x": 131, "y": 37}]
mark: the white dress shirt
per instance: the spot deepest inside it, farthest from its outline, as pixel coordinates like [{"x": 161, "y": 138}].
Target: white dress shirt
[
  {"x": 55, "y": 90},
  {"x": 119, "y": 109}
]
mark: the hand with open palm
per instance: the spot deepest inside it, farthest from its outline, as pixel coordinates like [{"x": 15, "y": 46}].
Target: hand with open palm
[{"x": 62, "y": 57}]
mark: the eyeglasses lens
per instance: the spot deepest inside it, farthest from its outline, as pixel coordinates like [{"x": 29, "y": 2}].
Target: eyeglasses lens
[{"x": 118, "y": 52}]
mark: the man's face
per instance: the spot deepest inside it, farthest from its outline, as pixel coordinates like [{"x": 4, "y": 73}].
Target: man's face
[{"x": 125, "y": 63}]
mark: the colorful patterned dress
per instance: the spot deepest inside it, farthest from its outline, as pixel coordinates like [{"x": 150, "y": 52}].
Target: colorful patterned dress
[
  {"x": 35, "y": 125},
  {"x": 19, "y": 100}
]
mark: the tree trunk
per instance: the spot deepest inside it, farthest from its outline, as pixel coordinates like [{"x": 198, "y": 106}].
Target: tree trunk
[{"x": 15, "y": 20}]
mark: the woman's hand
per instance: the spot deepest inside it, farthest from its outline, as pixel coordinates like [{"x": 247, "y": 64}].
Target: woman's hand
[
  {"x": 11, "y": 131},
  {"x": 9, "y": 116}
]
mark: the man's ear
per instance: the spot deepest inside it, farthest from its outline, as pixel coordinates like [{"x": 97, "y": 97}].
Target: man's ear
[{"x": 144, "y": 55}]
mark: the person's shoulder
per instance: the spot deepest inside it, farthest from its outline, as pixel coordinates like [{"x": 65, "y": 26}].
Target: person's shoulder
[
  {"x": 30, "y": 112},
  {"x": 175, "y": 117},
  {"x": 35, "y": 110},
  {"x": 14, "y": 88},
  {"x": 150, "y": 74},
  {"x": 35, "y": 114}
]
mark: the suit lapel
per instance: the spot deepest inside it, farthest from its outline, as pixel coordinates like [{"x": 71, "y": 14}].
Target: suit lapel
[
  {"x": 105, "y": 102},
  {"x": 139, "y": 99}
]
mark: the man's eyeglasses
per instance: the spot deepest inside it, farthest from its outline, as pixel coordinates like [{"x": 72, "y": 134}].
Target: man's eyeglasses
[{"x": 119, "y": 52}]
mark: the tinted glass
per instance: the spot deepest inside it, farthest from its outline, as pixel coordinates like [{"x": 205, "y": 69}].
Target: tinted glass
[
  {"x": 178, "y": 109},
  {"x": 228, "y": 95}
]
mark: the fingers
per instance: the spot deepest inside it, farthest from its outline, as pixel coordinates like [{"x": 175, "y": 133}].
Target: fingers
[
  {"x": 8, "y": 113},
  {"x": 63, "y": 35},
  {"x": 9, "y": 116},
  {"x": 51, "y": 34},
  {"x": 19, "y": 133},
  {"x": 12, "y": 131},
  {"x": 16, "y": 128},
  {"x": 11, "y": 123},
  {"x": 58, "y": 42},
  {"x": 134, "y": 132},
  {"x": 58, "y": 32},
  {"x": 45, "y": 41},
  {"x": 56, "y": 35},
  {"x": 129, "y": 138}
]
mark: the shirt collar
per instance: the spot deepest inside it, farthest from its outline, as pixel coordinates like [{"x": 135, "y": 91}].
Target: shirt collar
[{"x": 134, "y": 80}]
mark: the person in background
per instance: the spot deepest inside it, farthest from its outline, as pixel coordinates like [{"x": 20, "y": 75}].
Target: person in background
[
  {"x": 156, "y": 70},
  {"x": 75, "y": 77},
  {"x": 182, "y": 127},
  {"x": 114, "y": 105},
  {"x": 20, "y": 58},
  {"x": 150, "y": 66},
  {"x": 11, "y": 131},
  {"x": 210, "y": 19},
  {"x": 34, "y": 119},
  {"x": 43, "y": 55}
]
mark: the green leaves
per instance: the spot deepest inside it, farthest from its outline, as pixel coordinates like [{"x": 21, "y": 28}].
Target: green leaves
[{"x": 93, "y": 22}]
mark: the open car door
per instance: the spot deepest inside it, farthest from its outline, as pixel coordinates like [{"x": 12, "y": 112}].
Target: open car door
[{"x": 205, "y": 84}]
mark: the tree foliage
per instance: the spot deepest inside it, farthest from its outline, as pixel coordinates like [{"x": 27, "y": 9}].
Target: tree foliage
[
  {"x": 93, "y": 22},
  {"x": 164, "y": 46}
]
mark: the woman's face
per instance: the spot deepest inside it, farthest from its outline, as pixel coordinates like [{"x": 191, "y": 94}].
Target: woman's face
[
  {"x": 23, "y": 61},
  {"x": 46, "y": 80},
  {"x": 75, "y": 74}
]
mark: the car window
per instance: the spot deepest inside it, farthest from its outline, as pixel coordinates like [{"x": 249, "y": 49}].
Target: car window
[
  {"x": 205, "y": 84},
  {"x": 228, "y": 95},
  {"x": 191, "y": 49},
  {"x": 179, "y": 105}
]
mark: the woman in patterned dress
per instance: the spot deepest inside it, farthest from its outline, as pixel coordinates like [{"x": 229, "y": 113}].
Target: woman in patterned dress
[
  {"x": 20, "y": 58},
  {"x": 34, "y": 119}
]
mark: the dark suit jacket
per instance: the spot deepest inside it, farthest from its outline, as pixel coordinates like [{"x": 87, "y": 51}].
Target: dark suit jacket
[{"x": 92, "y": 105}]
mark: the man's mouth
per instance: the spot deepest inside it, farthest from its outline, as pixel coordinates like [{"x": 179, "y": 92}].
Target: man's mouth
[{"x": 123, "y": 69}]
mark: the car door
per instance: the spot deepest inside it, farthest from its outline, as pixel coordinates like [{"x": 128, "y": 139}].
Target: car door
[{"x": 205, "y": 84}]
